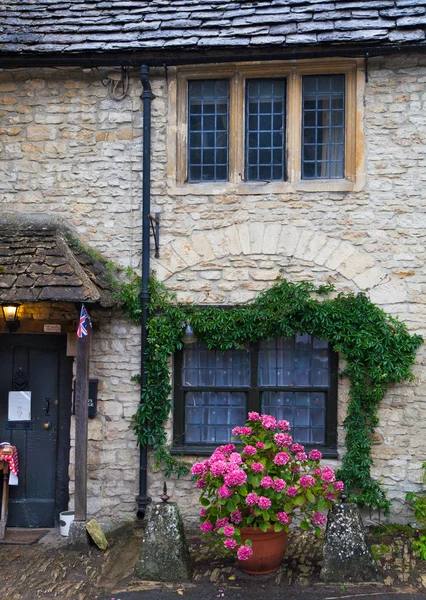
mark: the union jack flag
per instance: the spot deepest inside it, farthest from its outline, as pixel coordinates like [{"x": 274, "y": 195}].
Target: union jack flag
[{"x": 83, "y": 322}]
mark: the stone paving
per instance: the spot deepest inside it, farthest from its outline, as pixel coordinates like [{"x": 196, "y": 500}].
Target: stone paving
[{"x": 48, "y": 570}]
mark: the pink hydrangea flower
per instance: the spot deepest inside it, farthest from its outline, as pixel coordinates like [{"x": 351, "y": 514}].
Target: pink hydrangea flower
[
  {"x": 224, "y": 492},
  {"x": 228, "y": 530},
  {"x": 297, "y": 448},
  {"x": 235, "y": 458},
  {"x": 291, "y": 491},
  {"x": 319, "y": 519},
  {"x": 251, "y": 499},
  {"x": 198, "y": 469},
  {"x": 295, "y": 468},
  {"x": 218, "y": 468},
  {"x": 283, "y": 517},
  {"x": 328, "y": 475},
  {"x": 283, "y": 425},
  {"x": 317, "y": 472},
  {"x": 268, "y": 422},
  {"x": 266, "y": 482},
  {"x": 279, "y": 484},
  {"x": 249, "y": 450},
  {"x": 339, "y": 486},
  {"x": 315, "y": 455},
  {"x": 260, "y": 445},
  {"x": 203, "y": 512},
  {"x": 254, "y": 416},
  {"x": 246, "y": 431},
  {"x": 227, "y": 449},
  {"x": 221, "y": 523},
  {"x": 307, "y": 481},
  {"x": 283, "y": 440},
  {"x": 257, "y": 467},
  {"x": 329, "y": 496},
  {"x": 230, "y": 544},
  {"x": 206, "y": 526},
  {"x": 244, "y": 552},
  {"x": 236, "y": 517},
  {"x": 201, "y": 483},
  {"x": 264, "y": 503},
  {"x": 238, "y": 477},
  {"x": 242, "y": 431},
  {"x": 302, "y": 456},
  {"x": 281, "y": 458}
]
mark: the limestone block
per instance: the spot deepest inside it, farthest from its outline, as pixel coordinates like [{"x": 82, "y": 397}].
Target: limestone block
[
  {"x": 326, "y": 251},
  {"x": 183, "y": 248},
  {"x": 357, "y": 263},
  {"x": 346, "y": 554},
  {"x": 370, "y": 278},
  {"x": 391, "y": 292},
  {"x": 172, "y": 261},
  {"x": 288, "y": 240},
  {"x": 38, "y": 133},
  {"x": 257, "y": 231},
  {"x": 161, "y": 272},
  {"x": 164, "y": 554},
  {"x": 340, "y": 255},
  {"x": 218, "y": 243},
  {"x": 302, "y": 245},
  {"x": 96, "y": 533},
  {"x": 232, "y": 239},
  {"x": 202, "y": 246},
  {"x": 244, "y": 235},
  {"x": 271, "y": 237},
  {"x": 314, "y": 246}
]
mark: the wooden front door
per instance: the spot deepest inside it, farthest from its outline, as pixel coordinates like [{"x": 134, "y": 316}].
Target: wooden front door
[{"x": 37, "y": 363}]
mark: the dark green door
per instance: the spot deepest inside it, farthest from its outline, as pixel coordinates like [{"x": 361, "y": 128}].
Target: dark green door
[{"x": 37, "y": 363}]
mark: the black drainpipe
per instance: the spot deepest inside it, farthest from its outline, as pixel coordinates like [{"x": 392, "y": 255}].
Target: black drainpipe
[{"x": 143, "y": 499}]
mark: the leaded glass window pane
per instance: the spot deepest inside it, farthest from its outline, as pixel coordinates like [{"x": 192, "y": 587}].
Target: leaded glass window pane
[
  {"x": 305, "y": 412},
  {"x": 265, "y": 129},
  {"x": 211, "y": 416},
  {"x": 213, "y": 368},
  {"x": 208, "y": 130},
  {"x": 323, "y": 127},
  {"x": 302, "y": 361}
]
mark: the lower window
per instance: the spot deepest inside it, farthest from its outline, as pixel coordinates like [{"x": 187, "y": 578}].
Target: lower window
[{"x": 293, "y": 379}]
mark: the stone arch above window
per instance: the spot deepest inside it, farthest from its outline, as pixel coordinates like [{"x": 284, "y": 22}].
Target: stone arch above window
[{"x": 271, "y": 239}]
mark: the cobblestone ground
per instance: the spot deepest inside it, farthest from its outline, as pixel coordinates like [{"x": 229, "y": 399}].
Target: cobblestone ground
[{"x": 48, "y": 570}]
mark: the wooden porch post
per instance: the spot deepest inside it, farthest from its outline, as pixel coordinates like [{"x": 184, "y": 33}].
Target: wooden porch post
[{"x": 81, "y": 420}]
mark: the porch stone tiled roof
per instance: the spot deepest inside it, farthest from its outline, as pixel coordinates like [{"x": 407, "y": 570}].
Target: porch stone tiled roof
[
  {"x": 37, "y": 264},
  {"x": 98, "y": 26}
]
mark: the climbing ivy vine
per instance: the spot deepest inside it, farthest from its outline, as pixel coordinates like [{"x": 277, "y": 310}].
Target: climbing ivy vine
[{"x": 377, "y": 350}]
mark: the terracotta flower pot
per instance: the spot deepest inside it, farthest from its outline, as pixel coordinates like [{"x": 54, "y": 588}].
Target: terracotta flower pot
[{"x": 268, "y": 550}]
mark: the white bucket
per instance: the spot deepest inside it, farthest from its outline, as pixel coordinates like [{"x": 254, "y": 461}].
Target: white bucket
[{"x": 65, "y": 520}]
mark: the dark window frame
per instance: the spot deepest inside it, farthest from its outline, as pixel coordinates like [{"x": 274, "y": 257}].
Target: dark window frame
[{"x": 254, "y": 400}]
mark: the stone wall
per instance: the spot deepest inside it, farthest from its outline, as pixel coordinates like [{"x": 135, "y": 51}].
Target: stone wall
[{"x": 69, "y": 150}]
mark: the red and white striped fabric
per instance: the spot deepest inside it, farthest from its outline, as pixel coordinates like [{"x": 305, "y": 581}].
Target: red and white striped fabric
[{"x": 11, "y": 458}]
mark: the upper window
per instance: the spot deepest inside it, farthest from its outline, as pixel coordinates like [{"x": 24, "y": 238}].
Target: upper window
[
  {"x": 208, "y": 130},
  {"x": 285, "y": 125},
  {"x": 292, "y": 379}
]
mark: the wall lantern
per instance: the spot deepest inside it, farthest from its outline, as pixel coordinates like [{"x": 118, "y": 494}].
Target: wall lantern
[
  {"x": 10, "y": 314},
  {"x": 189, "y": 336}
]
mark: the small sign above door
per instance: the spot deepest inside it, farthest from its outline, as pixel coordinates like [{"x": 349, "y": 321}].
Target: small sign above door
[
  {"x": 19, "y": 406},
  {"x": 52, "y": 328}
]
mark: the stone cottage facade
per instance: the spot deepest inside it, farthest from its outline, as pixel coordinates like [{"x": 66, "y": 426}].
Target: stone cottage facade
[{"x": 71, "y": 151}]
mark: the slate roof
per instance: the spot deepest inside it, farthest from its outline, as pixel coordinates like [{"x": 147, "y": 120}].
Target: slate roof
[
  {"x": 160, "y": 26},
  {"x": 37, "y": 264}
]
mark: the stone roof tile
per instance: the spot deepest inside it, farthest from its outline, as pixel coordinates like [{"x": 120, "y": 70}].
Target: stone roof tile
[
  {"x": 40, "y": 262},
  {"x": 76, "y": 26}
]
